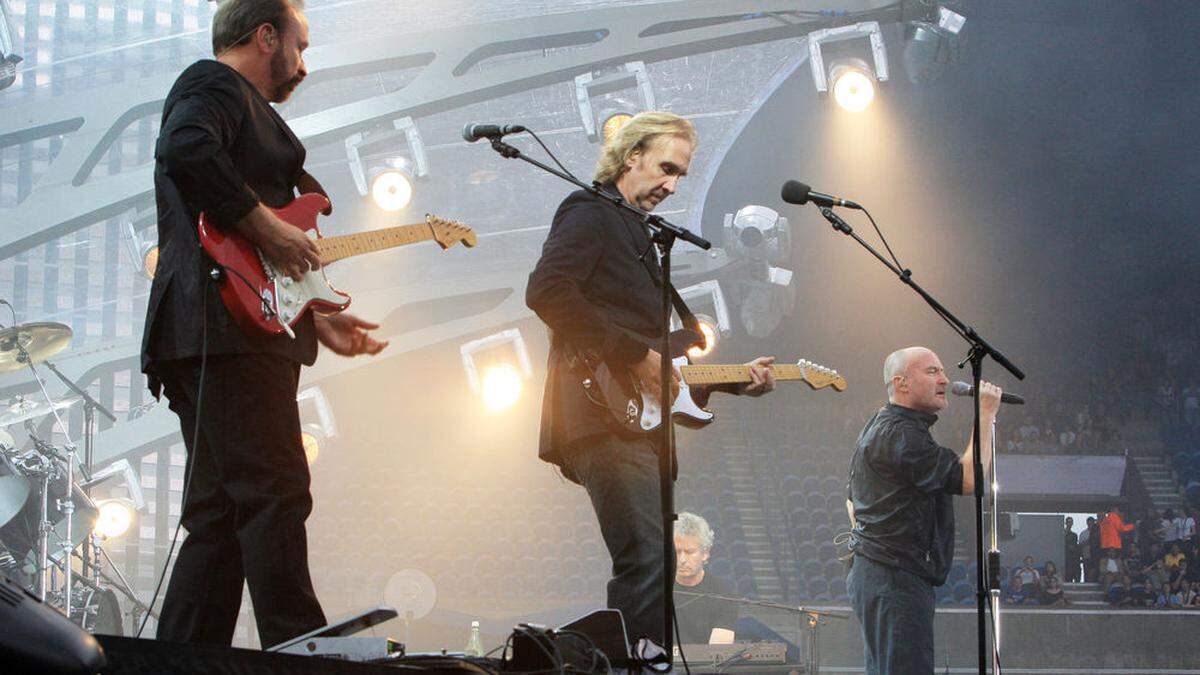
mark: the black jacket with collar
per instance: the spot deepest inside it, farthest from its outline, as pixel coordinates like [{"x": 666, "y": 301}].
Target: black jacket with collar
[
  {"x": 222, "y": 149},
  {"x": 596, "y": 281}
]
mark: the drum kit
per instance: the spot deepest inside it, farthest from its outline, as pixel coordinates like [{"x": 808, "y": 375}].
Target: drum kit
[{"x": 47, "y": 518}]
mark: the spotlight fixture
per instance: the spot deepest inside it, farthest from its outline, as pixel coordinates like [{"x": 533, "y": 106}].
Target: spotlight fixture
[
  {"x": 930, "y": 48},
  {"x": 497, "y": 367},
  {"x": 114, "y": 519},
  {"x": 392, "y": 184},
  {"x": 501, "y": 386},
  {"x": 853, "y": 85},
  {"x": 389, "y": 179},
  {"x": 852, "y": 78},
  {"x": 758, "y": 233},
  {"x": 597, "y": 92},
  {"x": 614, "y": 123},
  {"x": 8, "y": 59},
  {"x": 708, "y": 302},
  {"x": 712, "y": 335},
  {"x": 143, "y": 252},
  {"x": 317, "y": 425},
  {"x": 310, "y": 438}
]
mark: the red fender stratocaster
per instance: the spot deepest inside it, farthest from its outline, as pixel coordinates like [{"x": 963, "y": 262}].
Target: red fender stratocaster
[{"x": 265, "y": 302}]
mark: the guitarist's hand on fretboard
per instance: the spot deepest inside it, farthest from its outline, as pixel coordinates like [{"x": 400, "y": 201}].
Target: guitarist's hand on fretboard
[{"x": 762, "y": 377}]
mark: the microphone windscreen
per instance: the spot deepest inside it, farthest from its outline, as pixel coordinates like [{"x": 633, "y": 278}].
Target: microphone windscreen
[
  {"x": 468, "y": 133},
  {"x": 795, "y": 192},
  {"x": 960, "y": 389}
]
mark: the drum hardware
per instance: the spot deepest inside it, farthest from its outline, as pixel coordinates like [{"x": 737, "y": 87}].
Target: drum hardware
[{"x": 64, "y": 511}]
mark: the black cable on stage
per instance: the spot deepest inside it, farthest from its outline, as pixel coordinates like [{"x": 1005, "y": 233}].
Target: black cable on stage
[
  {"x": 679, "y": 643},
  {"x": 191, "y": 459}
]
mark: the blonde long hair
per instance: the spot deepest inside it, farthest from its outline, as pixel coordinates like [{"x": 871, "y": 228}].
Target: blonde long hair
[{"x": 639, "y": 133}]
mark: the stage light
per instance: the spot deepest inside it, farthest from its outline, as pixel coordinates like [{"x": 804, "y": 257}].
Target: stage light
[
  {"x": 388, "y": 178},
  {"x": 391, "y": 184},
  {"x": 497, "y": 367},
  {"x": 501, "y": 387},
  {"x": 601, "y": 95},
  {"x": 8, "y": 58},
  {"x": 114, "y": 519},
  {"x": 758, "y": 233},
  {"x": 312, "y": 446},
  {"x": 930, "y": 48},
  {"x": 707, "y": 301},
  {"x": 712, "y": 334},
  {"x": 853, "y": 87},
  {"x": 317, "y": 424},
  {"x": 150, "y": 261},
  {"x": 614, "y": 124},
  {"x": 853, "y": 80},
  {"x": 142, "y": 250}
]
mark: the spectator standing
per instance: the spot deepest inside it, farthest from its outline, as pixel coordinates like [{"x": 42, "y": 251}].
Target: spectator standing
[
  {"x": 1111, "y": 529},
  {"x": 1187, "y": 531},
  {"x": 1170, "y": 528},
  {"x": 1070, "y": 551},
  {"x": 1089, "y": 549}
]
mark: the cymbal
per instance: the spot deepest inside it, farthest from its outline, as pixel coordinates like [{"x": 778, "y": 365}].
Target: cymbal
[
  {"x": 40, "y": 341},
  {"x": 19, "y": 408}
]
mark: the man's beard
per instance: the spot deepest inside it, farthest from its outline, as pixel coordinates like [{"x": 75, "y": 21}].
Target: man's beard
[{"x": 283, "y": 82}]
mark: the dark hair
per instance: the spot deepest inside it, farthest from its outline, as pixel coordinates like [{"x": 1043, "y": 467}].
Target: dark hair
[{"x": 235, "y": 21}]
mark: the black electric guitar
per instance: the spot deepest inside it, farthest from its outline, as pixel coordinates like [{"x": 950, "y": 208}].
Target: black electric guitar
[{"x": 636, "y": 411}]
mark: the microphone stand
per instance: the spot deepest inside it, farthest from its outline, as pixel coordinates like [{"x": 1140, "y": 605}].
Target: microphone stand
[
  {"x": 994, "y": 559},
  {"x": 663, "y": 234},
  {"x": 978, "y": 350}
]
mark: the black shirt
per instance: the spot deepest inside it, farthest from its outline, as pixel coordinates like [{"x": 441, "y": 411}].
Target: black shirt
[
  {"x": 901, "y": 486},
  {"x": 698, "y": 616},
  {"x": 222, "y": 149}
]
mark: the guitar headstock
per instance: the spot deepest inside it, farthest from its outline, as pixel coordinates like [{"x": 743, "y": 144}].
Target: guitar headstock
[
  {"x": 819, "y": 377},
  {"x": 450, "y": 232}
]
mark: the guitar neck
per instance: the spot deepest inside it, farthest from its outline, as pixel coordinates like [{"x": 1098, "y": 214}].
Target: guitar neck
[
  {"x": 734, "y": 373},
  {"x": 348, "y": 245}
]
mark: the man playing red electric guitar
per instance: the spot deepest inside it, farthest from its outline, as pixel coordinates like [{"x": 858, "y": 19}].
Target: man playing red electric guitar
[{"x": 224, "y": 151}]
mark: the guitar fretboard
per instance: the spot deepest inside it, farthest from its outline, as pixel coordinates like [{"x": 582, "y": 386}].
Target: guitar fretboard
[
  {"x": 347, "y": 245},
  {"x": 734, "y": 372}
]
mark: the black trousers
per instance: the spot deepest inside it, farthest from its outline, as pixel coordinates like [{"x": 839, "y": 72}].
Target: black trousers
[
  {"x": 895, "y": 611},
  {"x": 245, "y": 505},
  {"x": 621, "y": 478}
]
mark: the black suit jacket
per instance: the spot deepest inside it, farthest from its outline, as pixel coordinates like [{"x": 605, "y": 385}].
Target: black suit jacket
[
  {"x": 598, "y": 274},
  {"x": 221, "y": 149}
]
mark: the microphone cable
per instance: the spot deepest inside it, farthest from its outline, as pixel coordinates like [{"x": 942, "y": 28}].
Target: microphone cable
[{"x": 191, "y": 459}]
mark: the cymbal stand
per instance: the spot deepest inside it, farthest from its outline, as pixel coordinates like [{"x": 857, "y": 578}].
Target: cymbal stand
[
  {"x": 90, "y": 406},
  {"x": 66, "y": 506}
]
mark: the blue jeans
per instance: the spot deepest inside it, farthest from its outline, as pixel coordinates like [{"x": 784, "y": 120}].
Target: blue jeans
[
  {"x": 895, "y": 610},
  {"x": 621, "y": 478}
]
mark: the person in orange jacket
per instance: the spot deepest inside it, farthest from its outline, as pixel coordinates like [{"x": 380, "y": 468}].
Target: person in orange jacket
[{"x": 1111, "y": 528}]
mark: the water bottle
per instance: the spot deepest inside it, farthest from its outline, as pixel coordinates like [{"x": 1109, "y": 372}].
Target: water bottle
[{"x": 474, "y": 644}]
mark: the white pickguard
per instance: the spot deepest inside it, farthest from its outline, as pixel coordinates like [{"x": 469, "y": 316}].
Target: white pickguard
[
  {"x": 291, "y": 296},
  {"x": 683, "y": 405}
]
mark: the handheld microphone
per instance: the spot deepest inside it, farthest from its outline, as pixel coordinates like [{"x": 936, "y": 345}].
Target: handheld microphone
[
  {"x": 795, "y": 192},
  {"x": 473, "y": 132},
  {"x": 964, "y": 389}
]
